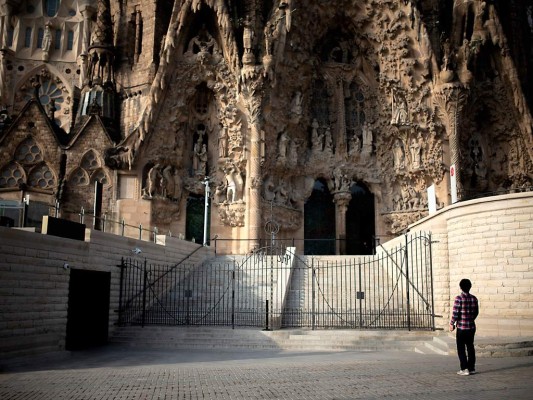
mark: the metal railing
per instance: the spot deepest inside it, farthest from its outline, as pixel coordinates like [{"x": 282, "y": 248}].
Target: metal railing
[
  {"x": 106, "y": 224},
  {"x": 391, "y": 290}
]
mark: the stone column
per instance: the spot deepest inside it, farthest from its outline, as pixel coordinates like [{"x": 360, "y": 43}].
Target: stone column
[
  {"x": 254, "y": 200},
  {"x": 85, "y": 37},
  {"x": 252, "y": 92},
  {"x": 450, "y": 99},
  {"x": 342, "y": 201}
]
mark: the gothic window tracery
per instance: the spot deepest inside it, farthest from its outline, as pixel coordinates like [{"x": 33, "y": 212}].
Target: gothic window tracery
[
  {"x": 90, "y": 161},
  {"x": 28, "y": 152},
  {"x": 12, "y": 175},
  {"x": 41, "y": 177},
  {"x": 354, "y": 111},
  {"x": 320, "y": 104},
  {"x": 100, "y": 176},
  {"x": 79, "y": 177}
]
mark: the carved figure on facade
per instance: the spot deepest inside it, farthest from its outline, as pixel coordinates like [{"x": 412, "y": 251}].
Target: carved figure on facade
[
  {"x": 234, "y": 126},
  {"x": 398, "y": 155},
  {"x": 340, "y": 182},
  {"x": 222, "y": 142},
  {"x": 354, "y": 145},
  {"x": 415, "y": 149},
  {"x": 399, "y": 109},
  {"x": 328, "y": 141},
  {"x": 292, "y": 159},
  {"x": 367, "y": 139},
  {"x": 234, "y": 183},
  {"x": 317, "y": 139},
  {"x": 248, "y": 42},
  {"x": 283, "y": 146},
  {"x": 46, "y": 42},
  {"x": 199, "y": 157}
]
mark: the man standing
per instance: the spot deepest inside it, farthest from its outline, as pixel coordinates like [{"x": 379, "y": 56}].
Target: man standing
[{"x": 465, "y": 311}]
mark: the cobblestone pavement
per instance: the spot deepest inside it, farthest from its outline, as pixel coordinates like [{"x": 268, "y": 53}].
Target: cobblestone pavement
[{"x": 122, "y": 373}]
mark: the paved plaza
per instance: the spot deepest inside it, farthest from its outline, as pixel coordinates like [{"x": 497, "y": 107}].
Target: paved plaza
[{"x": 124, "y": 373}]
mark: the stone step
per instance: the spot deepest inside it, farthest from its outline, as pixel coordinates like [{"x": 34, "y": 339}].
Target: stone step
[
  {"x": 424, "y": 342},
  {"x": 171, "y": 337}
]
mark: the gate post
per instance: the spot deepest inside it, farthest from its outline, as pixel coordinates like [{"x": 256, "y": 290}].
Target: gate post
[
  {"x": 144, "y": 293},
  {"x": 407, "y": 284},
  {"x": 313, "y": 311},
  {"x": 233, "y": 297},
  {"x": 120, "y": 310}
]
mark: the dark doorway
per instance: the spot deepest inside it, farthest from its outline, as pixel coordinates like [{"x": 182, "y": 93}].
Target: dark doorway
[
  {"x": 88, "y": 309},
  {"x": 360, "y": 225},
  {"x": 319, "y": 221},
  {"x": 194, "y": 228}
]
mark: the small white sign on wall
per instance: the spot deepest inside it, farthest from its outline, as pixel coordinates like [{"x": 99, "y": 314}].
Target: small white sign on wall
[
  {"x": 432, "y": 200},
  {"x": 453, "y": 183}
]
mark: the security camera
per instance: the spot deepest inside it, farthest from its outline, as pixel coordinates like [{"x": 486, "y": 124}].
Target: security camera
[{"x": 66, "y": 266}]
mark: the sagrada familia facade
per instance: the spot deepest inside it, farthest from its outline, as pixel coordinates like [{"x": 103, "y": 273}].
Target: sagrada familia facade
[{"x": 307, "y": 119}]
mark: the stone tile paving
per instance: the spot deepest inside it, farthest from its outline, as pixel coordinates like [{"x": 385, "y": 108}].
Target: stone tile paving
[{"x": 121, "y": 373}]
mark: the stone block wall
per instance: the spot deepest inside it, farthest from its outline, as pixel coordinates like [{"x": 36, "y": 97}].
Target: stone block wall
[
  {"x": 34, "y": 285},
  {"x": 490, "y": 242}
]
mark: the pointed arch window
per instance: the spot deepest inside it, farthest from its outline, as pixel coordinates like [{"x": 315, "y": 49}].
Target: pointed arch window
[
  {"x": 42, "y": 177},
  {"x": 70, "y": 40},
  {"x": 79, "y": 177},
  {"x": 10, "y": 33},
  {"x": 51, "y": 7},
  {"x": 320, "y": 107},
  {"x": 27, "y": 37},
  {"x": 90, "y": 161},
  {"x": 12, "y": 175},
  {"x": 354, "y": 110},
  {"x": 40, "y": 35},
  {"x": 28, "y": 152},
  {"x": 57, "y": 39},
  {"x": 100, "y": 176}
]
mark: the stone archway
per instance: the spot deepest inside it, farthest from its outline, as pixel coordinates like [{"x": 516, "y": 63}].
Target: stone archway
[
  {"x": 360, "y": 221},
  {"x": 319, "y": 221}
]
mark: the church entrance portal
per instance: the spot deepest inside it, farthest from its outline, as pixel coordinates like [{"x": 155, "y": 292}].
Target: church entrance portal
[
  {"x": 195, "y": 219},
  {"x": 360, "y": 225},
  {"x": 319, "y": 221}
]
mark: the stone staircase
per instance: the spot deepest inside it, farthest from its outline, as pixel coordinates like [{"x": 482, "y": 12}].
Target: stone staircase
[
  {"x": 242, "y": 339},
  {"x": 161, "y": 337}
]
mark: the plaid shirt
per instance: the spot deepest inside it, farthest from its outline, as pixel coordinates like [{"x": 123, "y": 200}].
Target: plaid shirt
[{"x": 465, "y": 311}]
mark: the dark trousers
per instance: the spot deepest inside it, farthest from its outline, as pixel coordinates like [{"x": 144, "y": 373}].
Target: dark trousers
[{"x": 465, "y": 348}]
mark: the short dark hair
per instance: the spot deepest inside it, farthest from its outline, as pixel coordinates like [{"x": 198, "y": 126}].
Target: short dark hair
[{"x": 465, "y": 285}]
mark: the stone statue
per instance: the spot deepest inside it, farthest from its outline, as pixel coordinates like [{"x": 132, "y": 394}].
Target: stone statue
[
  {"x": 367, "y": 139},
  {"x": 248, "y": 36},
  {"x": 399, "y": 155},
  {"x": 355, "y": 144},
  {"x": 202, "y": 161},
  {"x": 399, "y": 109},
  {"x": 416, "y": 152},
  {"x": 154, "y": 176},
  {"x": 197, "y": 150},
  {"x": 234, "y": 184},
  {"x": 317, "y": 139},
  {"x": 328, "y": 141},
  {"x": 223, "y": 142},
  {"x": 47, "y": 42},
  {"x": 283, "y": 145}
]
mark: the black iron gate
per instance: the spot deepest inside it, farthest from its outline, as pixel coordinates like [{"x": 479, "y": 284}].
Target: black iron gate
[{"x": 274, "y": 288}]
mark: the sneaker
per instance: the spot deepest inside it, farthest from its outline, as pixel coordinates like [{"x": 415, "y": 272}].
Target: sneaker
[
  {"x": 463, "y": 372},
  {"x": 472, "y": 372}
]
